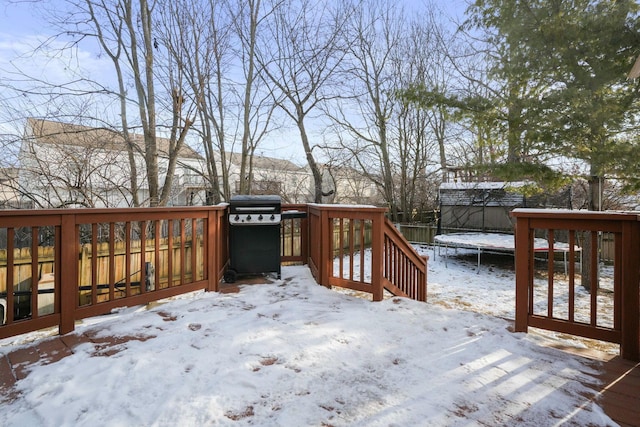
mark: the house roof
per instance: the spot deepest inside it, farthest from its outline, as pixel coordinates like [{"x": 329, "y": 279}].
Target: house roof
[
  {"x": 9, "y": 174},
  {"x": 53, "y": 132},
  {"x": 263, "y": 162}
]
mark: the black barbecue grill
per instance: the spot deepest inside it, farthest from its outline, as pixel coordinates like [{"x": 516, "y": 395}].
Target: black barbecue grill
[{"x": 254, "y": 236}]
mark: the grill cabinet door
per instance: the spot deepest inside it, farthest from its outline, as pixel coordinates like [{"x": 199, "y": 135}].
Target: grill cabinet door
[{"x": 255, "y": 249}]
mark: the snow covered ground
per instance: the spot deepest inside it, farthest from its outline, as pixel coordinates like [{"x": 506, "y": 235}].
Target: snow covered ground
[
  {"x": 492, "y": 289},
  {"x": 293, "y": 353}
]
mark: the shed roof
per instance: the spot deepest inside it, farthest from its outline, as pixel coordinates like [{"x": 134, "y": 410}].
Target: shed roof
[
  {"x": 481, "y": 185},
  {"x": 481, "y": 194}
]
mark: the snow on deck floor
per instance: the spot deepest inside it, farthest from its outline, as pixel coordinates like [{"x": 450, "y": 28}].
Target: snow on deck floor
[{"x": 293, "y": 353}]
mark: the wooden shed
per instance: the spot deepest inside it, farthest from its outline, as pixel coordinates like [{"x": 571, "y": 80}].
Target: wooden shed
[{"x": 485, "y": 206}]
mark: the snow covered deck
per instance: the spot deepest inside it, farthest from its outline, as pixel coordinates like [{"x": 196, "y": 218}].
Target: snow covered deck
[{"x": 294, "y": 353}]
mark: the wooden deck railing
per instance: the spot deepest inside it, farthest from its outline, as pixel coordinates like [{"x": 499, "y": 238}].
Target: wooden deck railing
[
  {"x": 390, "y": 264},
  {"x": 295, "y": 236},
  {"x": 405, "y": 272},
  {"x": 101, "y": 259},
  {"x": 60, "y": 266},
  {"x": 558, "y": 309}
]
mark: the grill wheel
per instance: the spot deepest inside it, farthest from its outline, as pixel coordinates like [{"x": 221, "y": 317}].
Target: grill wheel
[{"x": 230, "y": 275}]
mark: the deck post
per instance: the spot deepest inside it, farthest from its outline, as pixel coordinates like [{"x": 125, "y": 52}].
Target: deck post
[
  {"x": 630, "y": 304},
  {"x": 211, "y": 245},
  {"x": 326, "y": 249},
  {"x": 68, "y": 273},
  {"x": 304, "y": 237},
  {"x": 377, "y": 253},
  {"x": 422, "y": 291},
  {"x": 523, "y": 253}
]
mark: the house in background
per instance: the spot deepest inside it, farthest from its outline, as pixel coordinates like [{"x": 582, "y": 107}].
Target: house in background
[
  {"x": 345, "y": 185},
  {"x": 269, "y": 175},
  {"x": 340, "y": 185},
  {"x": 67, "y": 165},
  {"x": 9, "y": 194}
]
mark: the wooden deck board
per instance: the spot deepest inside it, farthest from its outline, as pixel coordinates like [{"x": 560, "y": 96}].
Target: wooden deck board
[{"x": 620, "y": 391}]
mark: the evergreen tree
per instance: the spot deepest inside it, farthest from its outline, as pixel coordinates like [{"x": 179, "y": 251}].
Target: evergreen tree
[{"x": 563, "y": 64}]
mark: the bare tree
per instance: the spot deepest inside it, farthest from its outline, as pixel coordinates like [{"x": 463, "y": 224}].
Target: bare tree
[
  {"x": 298, "y": 58},
  {"x": 213, "y": 46},
  {"x": 395, "y": 145},
  {"x": 250, "y": 20},
  {"x": 421, "y": 134},
  {"x": 125, "y": 33},
  {"x": 116, "y": 26},
  {"x": 246, "y": 21},
  {"x": 377, "y": 32},
  {"x": 197, "y": 38}
]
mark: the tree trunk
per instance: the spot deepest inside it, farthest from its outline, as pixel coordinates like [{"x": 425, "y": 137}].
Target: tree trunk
[
  {"x": 315, "y": 170},
  {"x": 590, "y": 279},
  {"x": 245, "y": 179}
]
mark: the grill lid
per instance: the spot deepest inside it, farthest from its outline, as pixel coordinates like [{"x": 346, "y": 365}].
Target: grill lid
[{"x": 244, "y": 203}]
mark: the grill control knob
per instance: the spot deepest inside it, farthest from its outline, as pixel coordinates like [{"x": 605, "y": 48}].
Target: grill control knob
[
  {"x": 272, "y": 217},
  {"x": 260, "y": 218},
  {"x": 248, "y": 217},
  {"x": 237, "y": 217}
]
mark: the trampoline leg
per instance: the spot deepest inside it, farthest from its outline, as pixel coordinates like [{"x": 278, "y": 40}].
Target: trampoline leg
[
  {"x": 446, "y": 255},
  {"x": 478, "y": 269}
]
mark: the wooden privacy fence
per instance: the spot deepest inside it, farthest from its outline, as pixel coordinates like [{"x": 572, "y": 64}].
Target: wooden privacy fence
[
  {"x": 558, "y": 310},
  {"x": 390, "y": 264},
  {"x": 163, "y": 266},
  {"x": 95, "y": 260},
  {"x": 418, "y": 233}
]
